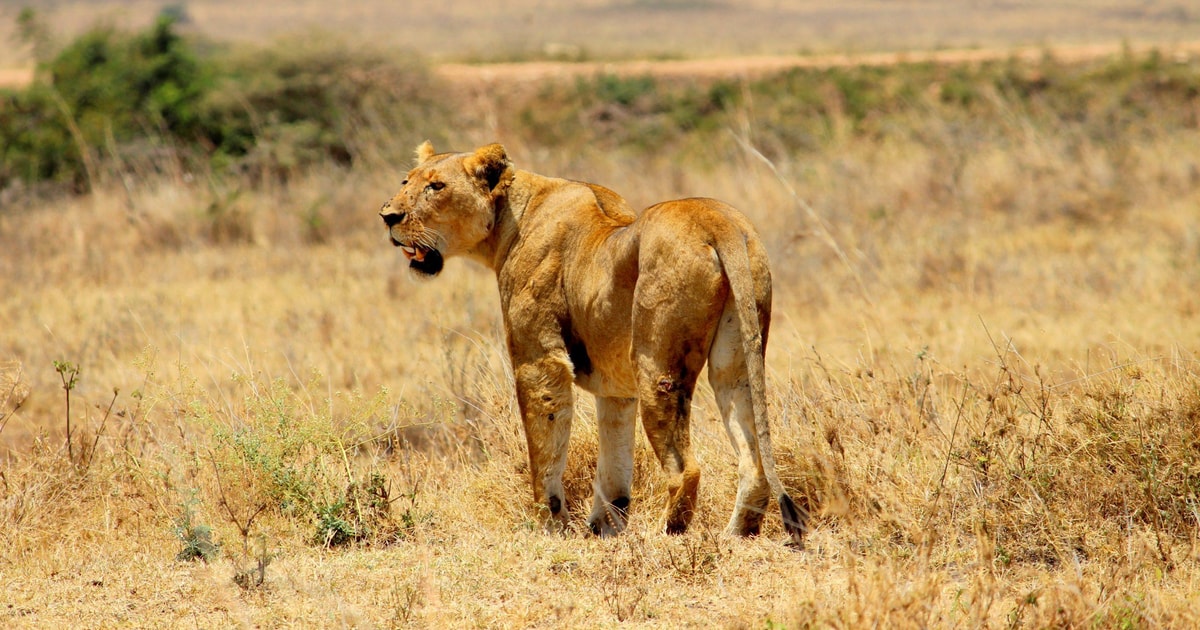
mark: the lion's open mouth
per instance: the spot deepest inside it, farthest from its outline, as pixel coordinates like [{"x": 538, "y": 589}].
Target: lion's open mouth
[
  {"x": 411, "y": 252},
  {"x": 424, "y": 260}
]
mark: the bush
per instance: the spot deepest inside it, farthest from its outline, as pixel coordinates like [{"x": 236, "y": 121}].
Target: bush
[
  {"x": 147, "y": 100},
  {"x": 363, "y": 516},
  {"x": 103, "y": 90},
  {"x": 639, "y": 112},
  {"x": 281, "y": 454},
  {"x": 308, "y": 102}
]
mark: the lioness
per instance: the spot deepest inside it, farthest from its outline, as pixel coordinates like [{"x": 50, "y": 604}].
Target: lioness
[{"x": 627, "y": 307}]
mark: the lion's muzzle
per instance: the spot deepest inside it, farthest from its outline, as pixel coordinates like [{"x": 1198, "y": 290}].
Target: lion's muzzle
[
  {"x": 391, "y": 219},
  {"x": 422, "y": 258}
]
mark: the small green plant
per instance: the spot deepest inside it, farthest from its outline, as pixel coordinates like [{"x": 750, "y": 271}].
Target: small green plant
[
  {"x": 69, "y": 373},
  {"x": 269, "y": 451},
  {"x": 333, "y": 530},
  {"x": 197, "y": 539},
  {"x": 282, "y": 454},
  {"x": 363, "y": 516}
]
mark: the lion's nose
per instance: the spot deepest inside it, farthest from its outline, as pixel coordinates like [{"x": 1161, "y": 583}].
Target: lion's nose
[{"x": 391, "y": 217}]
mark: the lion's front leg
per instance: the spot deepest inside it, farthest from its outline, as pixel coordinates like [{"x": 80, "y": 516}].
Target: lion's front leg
[
  {"x": 615, "y": 420},
  {"x": 546, "y": 398}
]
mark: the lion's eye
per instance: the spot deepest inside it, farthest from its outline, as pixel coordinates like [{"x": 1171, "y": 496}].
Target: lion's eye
[
  {"x": 404, "y": 183},
  {"x": 436, "y": 186}
]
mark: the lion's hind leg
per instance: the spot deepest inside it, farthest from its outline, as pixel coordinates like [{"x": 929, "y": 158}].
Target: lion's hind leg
[
  {"x": 675, "y": 314},
  {"x": 730, "y": 382},
  {"x": 665, "y": 406}
]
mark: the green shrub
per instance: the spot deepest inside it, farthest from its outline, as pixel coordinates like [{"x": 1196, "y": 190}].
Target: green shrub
[
  {"x": 110, "y": 97},
  {"x": 35, "y": 144},
  {"x": 272, "y": 452},
  {"x": 105, "y": 89},
  {"x": 610, "y": 88},
  {"x": 300, "y": 103},
  {"x": 363, "y": 516},
  {"x": 280, "y": 453},
  {"x": 611, "y": 111},
  {"x": 196, "y": 539},
  {"x": 123, "y": 85}
]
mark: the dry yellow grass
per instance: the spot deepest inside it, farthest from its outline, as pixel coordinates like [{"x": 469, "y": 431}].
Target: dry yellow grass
[
  {"x": 983, "y": 381},
  {"x": 955, "y": 397}
]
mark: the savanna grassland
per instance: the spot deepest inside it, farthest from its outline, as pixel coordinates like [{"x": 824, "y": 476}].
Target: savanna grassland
[{"x": 223, "y": 402}]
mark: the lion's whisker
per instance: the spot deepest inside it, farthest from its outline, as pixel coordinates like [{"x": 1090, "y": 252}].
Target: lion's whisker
[{"x": 432, "y": 237}]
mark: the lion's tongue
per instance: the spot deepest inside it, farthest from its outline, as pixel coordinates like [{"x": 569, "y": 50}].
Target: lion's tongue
[{"x": 419, "y": 255}]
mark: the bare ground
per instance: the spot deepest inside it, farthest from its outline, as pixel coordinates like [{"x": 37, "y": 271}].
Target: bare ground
[
  {"x": 15, "y": 77},
  {"x": 490, "y": 75}
]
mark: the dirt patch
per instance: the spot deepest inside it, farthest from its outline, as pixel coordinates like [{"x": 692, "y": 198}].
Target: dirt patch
[
  {"x": 15, "y": 77},
  {"x": 467, "y": 75}
]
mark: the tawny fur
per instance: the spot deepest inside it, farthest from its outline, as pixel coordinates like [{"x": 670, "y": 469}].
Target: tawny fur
[{"x": 628, "y": 306}]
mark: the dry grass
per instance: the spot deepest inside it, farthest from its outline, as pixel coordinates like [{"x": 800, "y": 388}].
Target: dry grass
[{"x": 983, "y": 381}]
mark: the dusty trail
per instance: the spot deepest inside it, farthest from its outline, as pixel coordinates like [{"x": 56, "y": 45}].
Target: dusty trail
[
  {"x": 467, "y": 75},
  {"x": 15, "y": 77}
]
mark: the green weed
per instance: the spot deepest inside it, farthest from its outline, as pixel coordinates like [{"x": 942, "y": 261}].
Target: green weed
[{"x": 197, "y": 539}]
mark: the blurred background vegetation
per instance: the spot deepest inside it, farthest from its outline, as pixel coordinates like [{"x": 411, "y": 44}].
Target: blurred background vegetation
[{"x": 110, "y": 103}]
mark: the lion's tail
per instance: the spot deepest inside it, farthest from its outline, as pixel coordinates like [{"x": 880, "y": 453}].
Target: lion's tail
[{"x": 735, "y": 258}]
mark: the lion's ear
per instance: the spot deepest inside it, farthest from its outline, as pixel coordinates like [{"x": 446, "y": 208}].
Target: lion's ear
[
  {"x": 488, "y": 163},
  {"x": 424, "y": 152}
]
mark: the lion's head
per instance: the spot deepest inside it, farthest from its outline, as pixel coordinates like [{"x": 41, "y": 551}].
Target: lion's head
[{"x": 447, "y": 204}]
